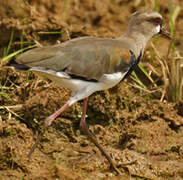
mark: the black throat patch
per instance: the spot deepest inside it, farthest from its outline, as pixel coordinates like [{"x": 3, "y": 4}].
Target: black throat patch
[{"x": 133, "y": 63}]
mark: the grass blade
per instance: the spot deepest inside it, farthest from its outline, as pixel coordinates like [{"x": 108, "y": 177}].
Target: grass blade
[
  {"x": 10, "y": 43},
  {"x": 16, "y": 53}
]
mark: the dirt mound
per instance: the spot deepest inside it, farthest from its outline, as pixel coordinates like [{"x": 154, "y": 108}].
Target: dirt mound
[{"x": 142, "y": 134}]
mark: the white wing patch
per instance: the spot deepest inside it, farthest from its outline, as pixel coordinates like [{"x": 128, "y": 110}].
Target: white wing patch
[{"x": 49, "y": 72}]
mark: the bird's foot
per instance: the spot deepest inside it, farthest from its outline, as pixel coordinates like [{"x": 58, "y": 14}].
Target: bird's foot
[{"x": 48, "y": 121}]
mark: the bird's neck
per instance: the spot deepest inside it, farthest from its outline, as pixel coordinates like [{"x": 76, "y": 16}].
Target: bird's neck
[{"x": 136, "y": 40}]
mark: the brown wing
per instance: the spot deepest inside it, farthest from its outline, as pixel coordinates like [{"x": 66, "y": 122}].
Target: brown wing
[{"x": 86, "y": 57}]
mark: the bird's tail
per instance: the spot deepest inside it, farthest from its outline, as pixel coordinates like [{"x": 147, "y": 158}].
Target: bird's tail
[{"x": 17, "y": 66}]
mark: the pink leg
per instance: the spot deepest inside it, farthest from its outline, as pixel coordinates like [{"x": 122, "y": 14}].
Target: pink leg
[
  {"x": 87, "y": 132},
  {"x": 50, "y": 119},
  {"x": 48, "y": 122}
]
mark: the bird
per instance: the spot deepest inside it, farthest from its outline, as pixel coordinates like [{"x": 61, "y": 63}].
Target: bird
[{"x": 89, "y": 64}]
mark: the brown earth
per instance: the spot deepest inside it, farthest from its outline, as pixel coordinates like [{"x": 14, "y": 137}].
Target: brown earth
[{"x": 143, "y": 134}]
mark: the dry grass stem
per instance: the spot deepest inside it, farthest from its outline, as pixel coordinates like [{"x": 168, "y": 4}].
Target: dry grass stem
[{"x": 15, "y": 107}]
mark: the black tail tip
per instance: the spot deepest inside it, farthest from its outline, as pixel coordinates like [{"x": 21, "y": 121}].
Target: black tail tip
[
  {"x": 17, "y": 66},
  {"x": 11, "y": 62}
]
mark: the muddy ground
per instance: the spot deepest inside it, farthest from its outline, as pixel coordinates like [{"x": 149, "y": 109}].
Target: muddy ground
[{"x": 143, "y": 134}]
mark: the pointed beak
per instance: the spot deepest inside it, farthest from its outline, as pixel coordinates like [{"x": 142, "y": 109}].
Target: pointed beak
[{"x": 165, "y": 32}]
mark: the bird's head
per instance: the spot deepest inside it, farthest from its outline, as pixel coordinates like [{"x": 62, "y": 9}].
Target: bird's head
[{"x": 149, "y": 23}]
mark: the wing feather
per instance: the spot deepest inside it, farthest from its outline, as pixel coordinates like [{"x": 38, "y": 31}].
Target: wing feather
[{"x": 87, "y": 57}]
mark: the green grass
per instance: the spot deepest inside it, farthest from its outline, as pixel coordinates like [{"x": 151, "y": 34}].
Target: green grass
[
  {"x": 138, "y": 79},
  {"x": 36, "y": 121},
  {"x": 7, "y": 50},
  {"x": 175, "y": 72},
  {"x": 57, "y": 158},
  {"x": 51, "y": 32},
  {"x": 156, "y": 7},
  {"x": 8, "y": 57},
  {"x": 3, "y": 92},
  {"x": 66, "y": 5},
  {"x": 174, "y": 12}
]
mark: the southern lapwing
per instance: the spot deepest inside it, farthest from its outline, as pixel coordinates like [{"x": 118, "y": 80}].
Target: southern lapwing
[{"x": 89, "y": 64}]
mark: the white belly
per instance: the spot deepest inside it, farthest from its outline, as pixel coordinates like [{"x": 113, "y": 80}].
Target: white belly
[
  {"x": 105, "y": 82},
  {"x": 81, "y": 88}
]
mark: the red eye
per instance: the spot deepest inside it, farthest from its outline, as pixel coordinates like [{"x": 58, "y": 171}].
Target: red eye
[{"x": 157, "y": 21}]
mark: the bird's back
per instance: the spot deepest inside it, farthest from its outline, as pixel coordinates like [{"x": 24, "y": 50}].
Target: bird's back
[{"x": 87, "y": 57}]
